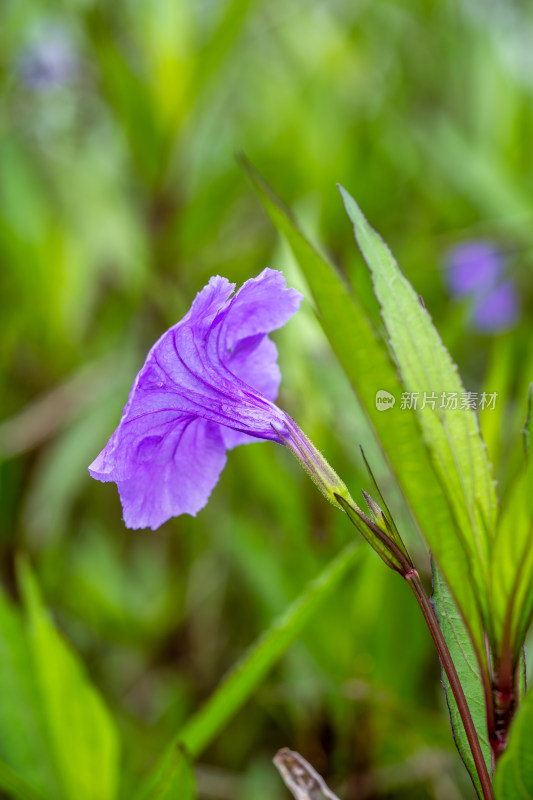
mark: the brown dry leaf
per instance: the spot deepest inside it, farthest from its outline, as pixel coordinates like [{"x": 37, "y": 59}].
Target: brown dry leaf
[{"x": 300, "y": 778}]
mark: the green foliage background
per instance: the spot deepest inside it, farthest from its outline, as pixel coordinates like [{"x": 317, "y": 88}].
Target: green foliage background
[{"x": 119, "y": 197}]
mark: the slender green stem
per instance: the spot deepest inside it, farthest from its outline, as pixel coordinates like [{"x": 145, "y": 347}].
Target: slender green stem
[{"x": 414, "y": 581}]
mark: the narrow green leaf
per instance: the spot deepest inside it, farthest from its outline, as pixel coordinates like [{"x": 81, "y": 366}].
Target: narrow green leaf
[
  {"x": 81, "y": 733},
  {"x": 221, "y": 40},
  {"x": 24, "y": 745},
  {"x": 234, "y": 691},
  {"x": 452, "y": 435},
  {"x": 366, "y": 362},
  {"x": 173, "y": 779},
  {"x": 131, "y": 99},
  {"x": 464, "y": 658},
  {"x": 512, "y": 565},
  {"x": 514, "y": 772}
]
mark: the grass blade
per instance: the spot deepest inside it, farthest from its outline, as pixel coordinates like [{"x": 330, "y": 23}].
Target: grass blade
[
  {"x": 81, "y": 732},
  {"x": 207, "y": 723}
]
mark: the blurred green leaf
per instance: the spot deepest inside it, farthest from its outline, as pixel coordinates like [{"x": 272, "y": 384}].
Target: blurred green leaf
[
  {"x": 79, "y": 729},
  {"x": 13, "y": 783},
  {"x": 56, "y": 737},
  {"x": 24, "y": 745},
  {"x": 464, "y": 658},
  {"x": 486, "y": 180},
  {"x": 176, "y": 782},
  {"x": 221, "y": 39},
  {"x": 246, "y": 676},
  {"x": 129, "y": 96}
]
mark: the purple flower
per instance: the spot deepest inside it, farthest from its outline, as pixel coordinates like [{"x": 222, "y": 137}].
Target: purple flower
[
  {"x": 476, "y": 269},
  {"x": 207, "y": 385},
  {"x": 49, "y": 62},
  {"x": 498, "y": 309},
  {"x": 473, "y": 267}
]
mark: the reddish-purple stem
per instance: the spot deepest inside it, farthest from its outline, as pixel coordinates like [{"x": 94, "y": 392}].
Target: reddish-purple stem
[{"x": 413, "y": 579}]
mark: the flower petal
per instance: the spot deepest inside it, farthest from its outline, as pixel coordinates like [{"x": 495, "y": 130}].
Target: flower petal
[
  {"x": 261, "y": 305},
  {"x": 208, "y": 301},
  {"x": 254, "y": 361},
  {"x": 174, "y": 473},
  {"x": 207, "y": 385},
  {"x": 119, "y": 459}
]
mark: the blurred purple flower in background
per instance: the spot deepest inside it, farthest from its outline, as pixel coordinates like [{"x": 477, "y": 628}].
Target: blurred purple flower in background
[
  {"x": 49, "y": 61},
  {"x": 475, "y": 269},
  {"x": 472, "y": 267},
  {"x": 497, "y": 309},
  {"x": 207, "y": 385}
]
